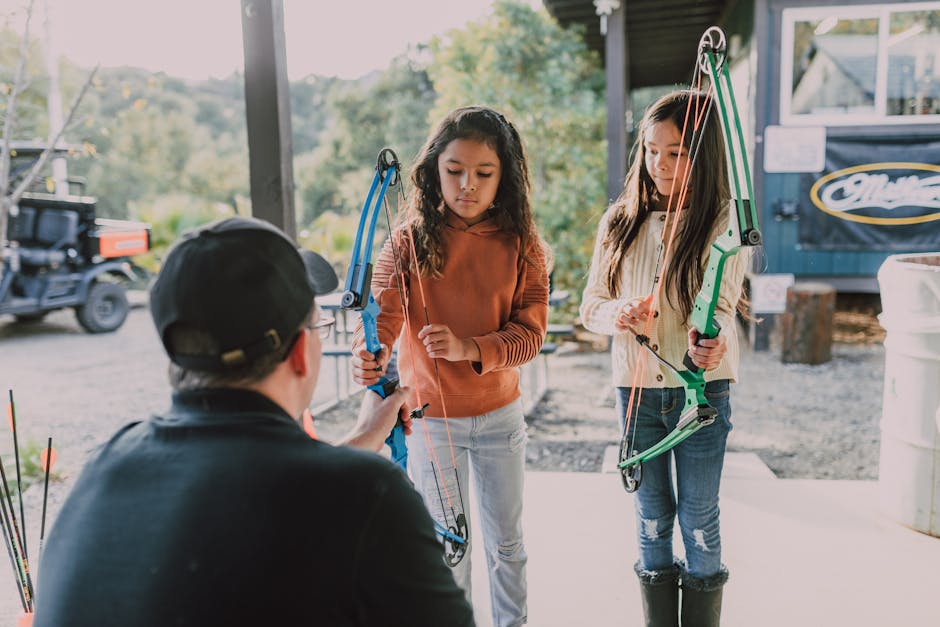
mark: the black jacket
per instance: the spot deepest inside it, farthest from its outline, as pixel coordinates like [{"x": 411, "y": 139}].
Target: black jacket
[{"x": 224, "y": 512}]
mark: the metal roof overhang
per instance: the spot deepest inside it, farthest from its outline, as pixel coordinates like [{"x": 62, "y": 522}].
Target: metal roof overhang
[{"x": 661, "y": 35}]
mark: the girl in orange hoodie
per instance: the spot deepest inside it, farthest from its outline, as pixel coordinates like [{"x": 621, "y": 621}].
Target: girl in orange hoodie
[{"x": 475, "y": 287}]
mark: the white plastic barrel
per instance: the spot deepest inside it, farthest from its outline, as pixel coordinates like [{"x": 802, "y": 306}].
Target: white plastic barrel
[{"x": 909, "y": 474}]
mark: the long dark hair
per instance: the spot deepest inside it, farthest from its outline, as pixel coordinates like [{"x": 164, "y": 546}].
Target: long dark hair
[
  {"x": 511, "y": 209},
  {"x": 707, "y": 198}
]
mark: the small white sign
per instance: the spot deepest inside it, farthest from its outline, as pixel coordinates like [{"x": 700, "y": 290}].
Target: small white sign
[
  {"x": 769, "y": 292},
  {"x": 794, "y": 148}
]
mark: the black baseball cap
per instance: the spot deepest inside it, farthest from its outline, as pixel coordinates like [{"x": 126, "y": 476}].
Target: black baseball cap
[{"x": 242, "y": 281}]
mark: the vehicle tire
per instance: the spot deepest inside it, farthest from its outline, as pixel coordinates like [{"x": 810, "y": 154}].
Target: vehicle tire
[
  {"x": 31, "y": 318},
  {"x": 104, "y": 310}
]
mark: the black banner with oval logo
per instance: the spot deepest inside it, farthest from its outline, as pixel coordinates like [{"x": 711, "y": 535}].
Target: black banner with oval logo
[{"x": 873, "y": 195}]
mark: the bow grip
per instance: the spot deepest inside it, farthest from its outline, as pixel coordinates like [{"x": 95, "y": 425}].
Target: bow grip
[
  {"x": 687, "y": 359},
  {"x": 398, "y": 448},
  {"x": 396, "y": 439}
]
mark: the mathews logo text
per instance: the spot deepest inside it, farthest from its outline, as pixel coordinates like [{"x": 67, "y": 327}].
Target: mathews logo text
[{"x": 870, "y": 193}]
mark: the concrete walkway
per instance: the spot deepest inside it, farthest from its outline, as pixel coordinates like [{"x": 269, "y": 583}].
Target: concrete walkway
[{"x": 801, "y": 553}]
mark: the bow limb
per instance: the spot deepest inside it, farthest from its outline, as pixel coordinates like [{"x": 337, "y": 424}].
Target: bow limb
[
  {"x": 743, "y": 225},
  {"x": 742, "y": 231}
]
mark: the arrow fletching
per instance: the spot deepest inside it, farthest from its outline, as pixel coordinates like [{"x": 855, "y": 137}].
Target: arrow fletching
[{"x": 47, "y": 459}]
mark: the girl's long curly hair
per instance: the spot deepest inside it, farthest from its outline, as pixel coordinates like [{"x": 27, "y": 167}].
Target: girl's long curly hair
[
  {"x": 511, "y": 210},
  {"x": 707, "y": 198}
]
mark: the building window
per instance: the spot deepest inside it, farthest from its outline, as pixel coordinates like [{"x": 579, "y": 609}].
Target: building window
[{"x": 872, "y": 64}]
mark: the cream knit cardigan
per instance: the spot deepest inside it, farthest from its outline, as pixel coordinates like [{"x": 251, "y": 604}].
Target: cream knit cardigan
[{"x": 668, "y": 333}]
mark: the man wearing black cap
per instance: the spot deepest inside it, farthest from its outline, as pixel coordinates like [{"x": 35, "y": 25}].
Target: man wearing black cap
[{"x": 222, "y": 511}]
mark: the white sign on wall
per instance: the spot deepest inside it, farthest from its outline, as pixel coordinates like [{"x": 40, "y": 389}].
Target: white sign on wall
[
  {"x": 769, "y": 292},
  {"x": 794, "y": 148}
]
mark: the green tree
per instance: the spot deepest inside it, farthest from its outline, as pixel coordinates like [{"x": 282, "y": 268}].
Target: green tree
[
  {"x": 18, "y": 107},
  {"x": 155, "y": 135},
  {"x": 171, "y": 214},
  {"x": 218, "y": 171},
  {"x": 30, "y": 115},
  {"x": 543, "y": 78},
  {"x": 148, "y": 157},
  {"x": 385, "y": 109},
  {"x": 309, "y": 110}
]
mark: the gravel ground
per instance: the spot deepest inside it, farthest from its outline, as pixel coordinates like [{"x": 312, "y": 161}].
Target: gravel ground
[
  {"x": 807, "y": 422},
  {"x": 811, "y": 422},
  {"x": 803, "y": 421}
]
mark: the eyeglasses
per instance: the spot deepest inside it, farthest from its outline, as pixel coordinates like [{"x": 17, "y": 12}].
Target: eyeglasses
[{"x": 324, "y": 327}]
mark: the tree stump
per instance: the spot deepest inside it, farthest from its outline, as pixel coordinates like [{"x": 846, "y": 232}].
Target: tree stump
[{"x": 806, "y": 325}]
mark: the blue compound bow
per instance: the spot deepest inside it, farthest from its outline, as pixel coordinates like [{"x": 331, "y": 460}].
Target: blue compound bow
[{"x": 358, "y": 297}]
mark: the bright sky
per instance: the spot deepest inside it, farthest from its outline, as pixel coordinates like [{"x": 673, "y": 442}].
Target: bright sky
[{"x": 197, "y": 39}]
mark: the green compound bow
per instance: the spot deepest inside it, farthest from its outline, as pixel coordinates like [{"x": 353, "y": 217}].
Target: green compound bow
[{"x": 744, "y": 231}]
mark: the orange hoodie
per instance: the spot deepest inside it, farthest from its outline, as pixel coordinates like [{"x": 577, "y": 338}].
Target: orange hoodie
[{"x": 487, "y": 291}]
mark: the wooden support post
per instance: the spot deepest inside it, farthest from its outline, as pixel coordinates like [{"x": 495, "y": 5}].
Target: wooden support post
[
  {"x": 617, "y": 70},
  {"x": 267, "y": 110},
  {"x": 806, "y": 325}
]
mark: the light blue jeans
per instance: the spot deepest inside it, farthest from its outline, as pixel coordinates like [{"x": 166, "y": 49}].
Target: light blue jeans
[
  {"x": 493, "y": 444},
  {"x": 698, "y": 461}
]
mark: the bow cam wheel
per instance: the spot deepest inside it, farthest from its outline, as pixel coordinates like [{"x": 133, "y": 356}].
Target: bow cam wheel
[
  {"x": 386, "y": 160},
  {"x": 454, "y": 551},
  {"x": 632, "y": 476},
  {"x": 712, "y": 40}
]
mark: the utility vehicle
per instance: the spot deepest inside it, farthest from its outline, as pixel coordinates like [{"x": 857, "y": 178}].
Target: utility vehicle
[{"x": 60, "y": 254}]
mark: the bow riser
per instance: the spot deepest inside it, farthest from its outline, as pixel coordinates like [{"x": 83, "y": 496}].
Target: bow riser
[
  {"x": 706, "y": 301},
  {"x": 703, "y": 310}
]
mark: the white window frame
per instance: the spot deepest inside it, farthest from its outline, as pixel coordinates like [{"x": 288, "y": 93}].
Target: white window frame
[{"x": 849, "y": 12}]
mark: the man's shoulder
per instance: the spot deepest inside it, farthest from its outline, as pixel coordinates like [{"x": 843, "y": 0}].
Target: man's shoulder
[
  {"x": 355, "y": 463},
  {"x": 126, "y": 436}
]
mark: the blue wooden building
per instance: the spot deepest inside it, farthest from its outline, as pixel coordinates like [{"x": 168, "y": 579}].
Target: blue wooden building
[{"x": 841, "y": 102}]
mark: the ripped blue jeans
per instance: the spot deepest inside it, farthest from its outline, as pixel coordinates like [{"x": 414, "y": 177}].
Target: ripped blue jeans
[
  {"x": 698, "y": 463},
  {"x": 493, "y": 445}
]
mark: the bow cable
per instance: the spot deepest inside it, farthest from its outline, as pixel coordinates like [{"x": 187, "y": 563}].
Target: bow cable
[{"x": 456, "y": 534}]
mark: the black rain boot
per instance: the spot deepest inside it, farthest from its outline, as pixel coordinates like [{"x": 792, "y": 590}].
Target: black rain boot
[
  {"x": 701, "y": 599},
  {"x": 660, "y": 592}
]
